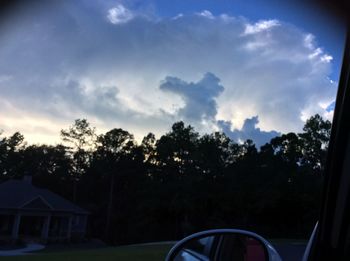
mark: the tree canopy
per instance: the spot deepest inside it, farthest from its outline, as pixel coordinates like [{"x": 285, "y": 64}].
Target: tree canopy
[{"x": 183, "y": 182}]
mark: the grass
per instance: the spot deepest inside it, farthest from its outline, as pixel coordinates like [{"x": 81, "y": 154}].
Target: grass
[
  {"x": 152, "y": 252},
  {"x": 130, "y": 253}
]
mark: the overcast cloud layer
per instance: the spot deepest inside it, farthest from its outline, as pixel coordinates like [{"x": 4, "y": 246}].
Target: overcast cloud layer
[{"x": 126, "y": 68}]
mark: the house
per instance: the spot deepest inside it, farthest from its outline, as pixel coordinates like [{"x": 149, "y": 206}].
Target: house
[{"x": 34, "y": 214}]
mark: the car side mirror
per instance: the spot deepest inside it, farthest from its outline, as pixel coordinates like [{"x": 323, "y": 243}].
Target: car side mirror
[{"x": 222, "y": 245}]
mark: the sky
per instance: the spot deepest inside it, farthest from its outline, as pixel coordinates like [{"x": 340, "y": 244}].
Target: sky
[{"x": 251, "y": 70}]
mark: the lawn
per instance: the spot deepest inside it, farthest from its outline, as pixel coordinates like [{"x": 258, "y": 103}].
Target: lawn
[{"x": 127, "y": 253}]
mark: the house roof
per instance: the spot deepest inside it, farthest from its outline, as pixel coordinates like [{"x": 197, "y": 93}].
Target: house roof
[{"x": 19, "y": 194}]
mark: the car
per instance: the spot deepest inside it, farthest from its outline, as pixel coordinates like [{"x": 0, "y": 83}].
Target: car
[
  {"x": 224, "y": 244},
  {"x": 330, "y": 239}
]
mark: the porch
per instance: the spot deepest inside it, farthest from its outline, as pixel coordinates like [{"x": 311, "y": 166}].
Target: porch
[{"x": 35, "y": 227}]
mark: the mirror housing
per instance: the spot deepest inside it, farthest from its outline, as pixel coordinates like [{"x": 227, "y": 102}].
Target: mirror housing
[{"x": 223, "y": 244}]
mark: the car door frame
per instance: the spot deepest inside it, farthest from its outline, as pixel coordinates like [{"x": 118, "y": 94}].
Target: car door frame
[{"x": 331, "y": 238}]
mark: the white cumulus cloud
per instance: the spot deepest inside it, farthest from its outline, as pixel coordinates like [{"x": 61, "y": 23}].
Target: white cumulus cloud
[
  {"x": 206, "y": 13},
  {"x": 119, "y": 15},
  {"x": 260, "y": 26}
]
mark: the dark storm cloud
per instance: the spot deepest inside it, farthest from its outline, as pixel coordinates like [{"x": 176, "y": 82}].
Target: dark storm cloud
[
  {"x": 199, "y": 97},
  {"x": 200, "y": 104},
  {"x": 248, "y": 131}
]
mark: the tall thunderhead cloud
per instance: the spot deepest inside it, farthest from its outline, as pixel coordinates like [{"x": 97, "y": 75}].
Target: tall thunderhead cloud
[
  {"x": 103, "y": 60},
  {"x": 199, "y": 97}
]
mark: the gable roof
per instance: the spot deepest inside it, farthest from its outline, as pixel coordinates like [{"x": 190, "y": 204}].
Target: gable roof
[
  {"x": 16, "y": 194},
  {"x": 36, "y": 203}
]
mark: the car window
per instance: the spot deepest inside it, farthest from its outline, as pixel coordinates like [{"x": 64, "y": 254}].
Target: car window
[{"x": 139, "y": 121}]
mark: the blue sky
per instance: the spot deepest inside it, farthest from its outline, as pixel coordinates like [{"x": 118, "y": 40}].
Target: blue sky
[
  {"x": 330, "y": 31},
  {"x": 253, "y": 69}
]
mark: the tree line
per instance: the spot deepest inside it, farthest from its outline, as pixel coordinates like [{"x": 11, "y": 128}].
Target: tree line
[{"x": 181, "y": 183}]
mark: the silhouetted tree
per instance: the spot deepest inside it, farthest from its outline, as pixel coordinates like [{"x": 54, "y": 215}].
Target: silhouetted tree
[
  {"x": 315, "y": 140},
  {"x": 114, "y": 151},
  {"x": 81, "y": 139},
  {"x": 49, "y": 166},
  {"x": 11, "y": 155}
]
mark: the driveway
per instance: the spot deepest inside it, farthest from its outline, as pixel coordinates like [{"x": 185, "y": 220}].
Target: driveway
[
  {"x": 22, "y": 251},
  {"x": 290, "y": 251}
]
